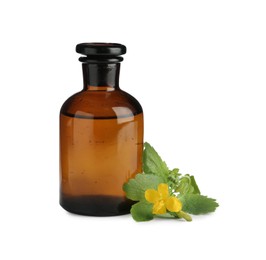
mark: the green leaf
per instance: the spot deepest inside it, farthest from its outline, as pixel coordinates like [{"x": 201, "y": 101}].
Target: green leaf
[
  {"x": 173, "y": 179},
  {"x": 184, "y": 186},
  {"x": 198, "y": 204},
  {"x": 142, "y": 211},
  {"x": 152, "y": 162},
  {"x": 194, "y": 185},
  {"x": 135, "y": 188},
  {"x": 187, "y": 184}
]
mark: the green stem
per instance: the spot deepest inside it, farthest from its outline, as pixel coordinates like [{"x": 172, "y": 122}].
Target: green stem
[{"x": 184, "y": 215}]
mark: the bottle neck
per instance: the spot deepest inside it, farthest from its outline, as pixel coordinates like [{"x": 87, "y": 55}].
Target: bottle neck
[{"x": 101, "y": 76}]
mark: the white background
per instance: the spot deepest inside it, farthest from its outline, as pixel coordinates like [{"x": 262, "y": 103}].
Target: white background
[{"x": 197, "y": 68}]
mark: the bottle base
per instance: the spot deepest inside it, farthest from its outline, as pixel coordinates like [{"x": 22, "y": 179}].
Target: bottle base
[{"x": 99, "y": 205}]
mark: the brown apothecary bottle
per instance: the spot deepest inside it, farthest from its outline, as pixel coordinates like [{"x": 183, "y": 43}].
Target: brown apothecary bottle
[{"x": 101, "y": 136}]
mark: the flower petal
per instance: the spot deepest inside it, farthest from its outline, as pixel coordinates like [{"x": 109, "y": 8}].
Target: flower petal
[
  {"x": 152, "y": 195},
  {"x": 163, "y": 190},
  {"x": 173, "y": 204},
  {"x": 159, "y": 207}
]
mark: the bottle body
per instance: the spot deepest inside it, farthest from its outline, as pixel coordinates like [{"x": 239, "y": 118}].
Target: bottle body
[
  {"x": 101, "y": 137},
  {"x": 101, "y": 144}
]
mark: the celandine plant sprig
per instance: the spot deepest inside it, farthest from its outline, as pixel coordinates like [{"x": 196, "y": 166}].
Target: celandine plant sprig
[{"x": 160, "y": 192}]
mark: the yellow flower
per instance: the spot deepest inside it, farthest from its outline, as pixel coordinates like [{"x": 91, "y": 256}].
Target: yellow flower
[{"x": 162, "y": 200}]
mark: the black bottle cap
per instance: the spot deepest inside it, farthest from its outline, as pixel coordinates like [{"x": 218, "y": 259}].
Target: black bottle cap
[{"x": 99, "y": 52}]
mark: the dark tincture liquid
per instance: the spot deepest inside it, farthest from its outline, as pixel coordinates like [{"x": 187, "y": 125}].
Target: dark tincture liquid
[{"x": 96, "y": 205}]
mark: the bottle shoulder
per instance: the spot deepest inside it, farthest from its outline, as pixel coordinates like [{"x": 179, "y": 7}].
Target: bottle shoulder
[{"x": 101, "y": 104}]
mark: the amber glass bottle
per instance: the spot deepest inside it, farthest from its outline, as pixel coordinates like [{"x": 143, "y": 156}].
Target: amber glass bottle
[{"x": 101, "y": 136}]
